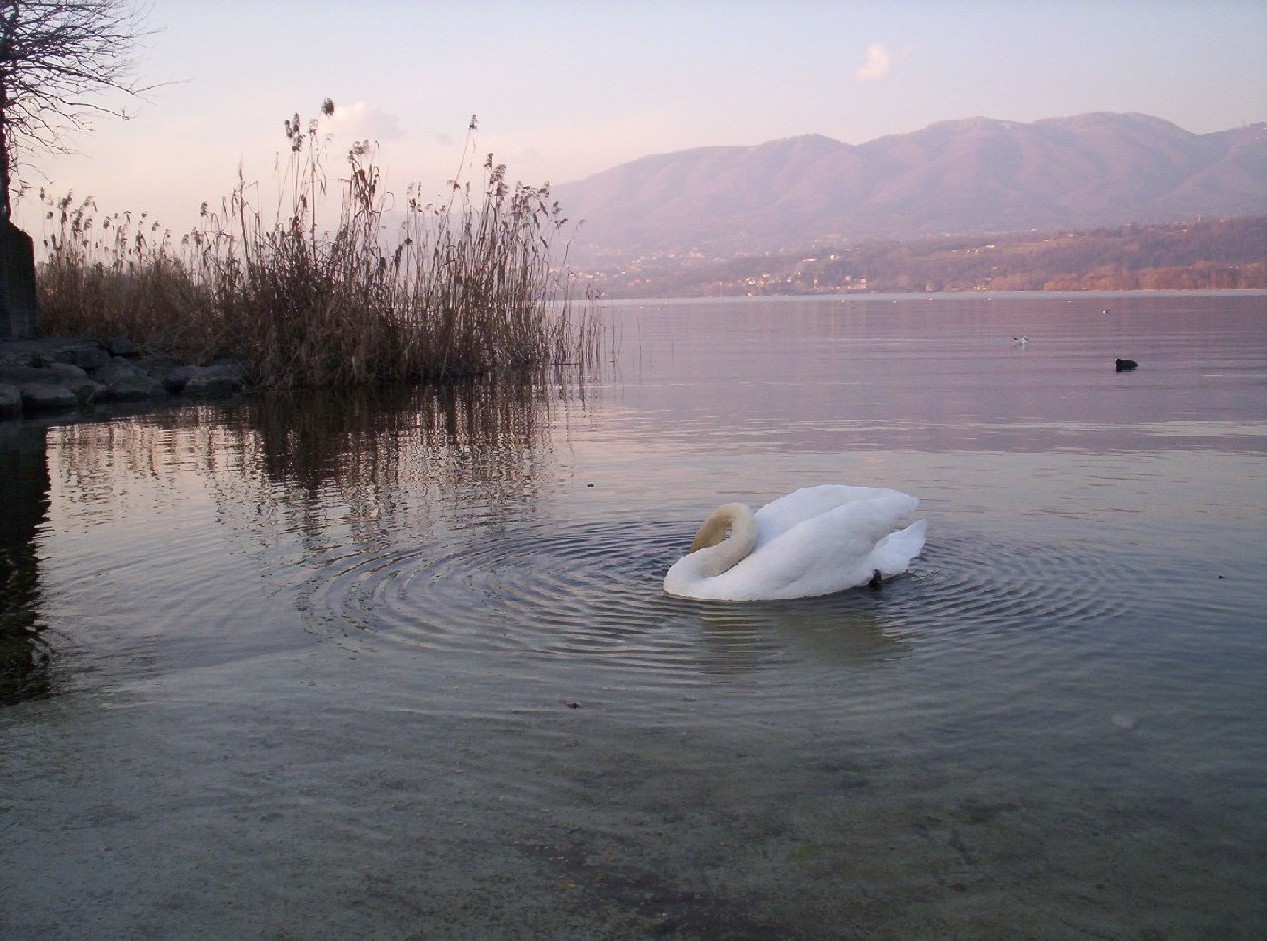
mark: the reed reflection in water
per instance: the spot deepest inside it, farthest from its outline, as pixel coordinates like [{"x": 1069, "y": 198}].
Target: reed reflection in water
[
  {"x": 24, "y": 658},
  {"x": 178, "y": 505}
]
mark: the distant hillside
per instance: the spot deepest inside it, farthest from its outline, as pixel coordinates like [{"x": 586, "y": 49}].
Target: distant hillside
[
  {"x": 1176, "y": 256},
  {"x": 971, "y": 176}
]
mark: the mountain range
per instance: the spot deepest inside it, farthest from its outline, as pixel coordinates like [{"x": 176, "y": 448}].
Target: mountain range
[{"x": 977, "y": 175}]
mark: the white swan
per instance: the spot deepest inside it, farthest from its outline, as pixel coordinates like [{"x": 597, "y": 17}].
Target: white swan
[{"x": 814, "y": 541}]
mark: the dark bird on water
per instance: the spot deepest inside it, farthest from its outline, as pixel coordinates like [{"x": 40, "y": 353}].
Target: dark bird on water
[{"x": 1123, "y": 365}]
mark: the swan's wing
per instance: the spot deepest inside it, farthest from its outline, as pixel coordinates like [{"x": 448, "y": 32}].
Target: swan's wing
[
  {"x": 779, "y": 516},
  {"x": 823, "y": 554}
]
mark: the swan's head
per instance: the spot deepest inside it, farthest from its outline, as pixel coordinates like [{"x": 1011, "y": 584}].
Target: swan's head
[{"x": 727, "y": 536}]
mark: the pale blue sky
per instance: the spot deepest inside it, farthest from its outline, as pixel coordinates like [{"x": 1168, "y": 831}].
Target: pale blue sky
[{"x": 566, "y": 89}]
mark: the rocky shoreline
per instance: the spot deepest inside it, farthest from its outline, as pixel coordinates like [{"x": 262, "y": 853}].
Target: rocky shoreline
[{"x": 54, "y": 375}]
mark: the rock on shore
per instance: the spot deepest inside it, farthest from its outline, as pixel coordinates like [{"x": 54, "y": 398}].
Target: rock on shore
[{"x": 53, "y": 374}]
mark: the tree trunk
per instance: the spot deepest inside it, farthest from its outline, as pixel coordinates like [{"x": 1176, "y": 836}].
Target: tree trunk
[{"x": 8, "y": 26}]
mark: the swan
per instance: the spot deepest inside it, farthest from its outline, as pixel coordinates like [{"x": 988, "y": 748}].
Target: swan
[{"x": 813, "y": 541}]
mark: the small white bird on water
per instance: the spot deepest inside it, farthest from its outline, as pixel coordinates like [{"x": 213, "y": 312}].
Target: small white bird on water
[{"x": 1022, "y": 342}]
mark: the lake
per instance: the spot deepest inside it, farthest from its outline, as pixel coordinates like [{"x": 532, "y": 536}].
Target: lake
[{"x": 400, "y": 665}]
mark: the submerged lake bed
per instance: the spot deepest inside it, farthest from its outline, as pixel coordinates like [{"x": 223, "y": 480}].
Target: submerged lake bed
[{"x": 400, "y": 665}]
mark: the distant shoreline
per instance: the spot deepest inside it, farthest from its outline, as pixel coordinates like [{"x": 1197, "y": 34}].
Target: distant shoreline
[
  {"x": 1196, "y": 256},
  {"x": 932, "y": 295}
]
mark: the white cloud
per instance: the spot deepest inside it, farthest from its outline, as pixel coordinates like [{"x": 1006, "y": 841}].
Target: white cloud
[
  {"x": 360, "y": 120},
  {"x": 877, "y": 64}
]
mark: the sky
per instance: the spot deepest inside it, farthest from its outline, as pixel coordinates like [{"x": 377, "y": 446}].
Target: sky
[{"x": 564, "y": 89}]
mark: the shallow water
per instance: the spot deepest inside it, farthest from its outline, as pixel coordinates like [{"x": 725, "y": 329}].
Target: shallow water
[{"x": 400, "y": 666}]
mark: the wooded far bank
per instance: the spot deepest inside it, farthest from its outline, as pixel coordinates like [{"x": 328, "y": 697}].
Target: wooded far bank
[{"x": 1204, "y": 255}]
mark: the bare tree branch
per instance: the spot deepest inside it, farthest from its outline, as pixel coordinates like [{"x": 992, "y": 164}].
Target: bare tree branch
[{"x": 62, "y": 63}]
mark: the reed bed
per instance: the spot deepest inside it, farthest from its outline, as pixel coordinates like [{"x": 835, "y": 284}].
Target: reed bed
[{"x": 473, "y": 286}]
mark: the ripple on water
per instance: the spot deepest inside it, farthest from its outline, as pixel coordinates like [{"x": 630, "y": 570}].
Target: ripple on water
[
  {"x": 973, "y": 585},
  {"x": 572, "y": 592},
  {"x": 550, "y": 590}
]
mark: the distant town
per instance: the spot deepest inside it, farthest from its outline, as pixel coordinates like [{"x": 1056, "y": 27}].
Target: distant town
[{"x": 1200, "y": 255}]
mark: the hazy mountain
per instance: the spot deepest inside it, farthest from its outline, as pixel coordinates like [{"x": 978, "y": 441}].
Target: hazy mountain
[{"x": 975, "y": 175}]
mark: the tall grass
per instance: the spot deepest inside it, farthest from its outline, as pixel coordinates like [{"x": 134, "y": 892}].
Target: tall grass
[{"x": 468, "y": 287}]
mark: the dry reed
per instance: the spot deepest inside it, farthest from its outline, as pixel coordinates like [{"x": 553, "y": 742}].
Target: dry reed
[{"x": 471, "y": 287}]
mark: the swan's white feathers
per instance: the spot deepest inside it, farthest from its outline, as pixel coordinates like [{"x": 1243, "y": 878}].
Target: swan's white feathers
[{"x": 814, "y": 541}]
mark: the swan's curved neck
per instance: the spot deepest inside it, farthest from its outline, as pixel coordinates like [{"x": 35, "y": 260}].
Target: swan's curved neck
[{"x": 727, "y": 536}]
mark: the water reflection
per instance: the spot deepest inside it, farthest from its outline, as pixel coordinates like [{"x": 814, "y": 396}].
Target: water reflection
[
  {"x": 366, "y": 461},
  {"x": 852, "y": 629},
  {"x": 301, "y": 486},
  {"x": 25, "y": 664},
  {"x": 382, "y": 438},
  {"x": 933, "y": 375},
  {"x": 306, "y": 461}
]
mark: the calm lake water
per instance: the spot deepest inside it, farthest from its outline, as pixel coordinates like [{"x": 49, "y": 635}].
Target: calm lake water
[{"x": 401, "y": 666}]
